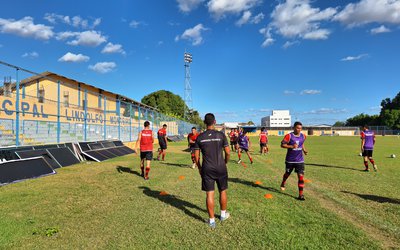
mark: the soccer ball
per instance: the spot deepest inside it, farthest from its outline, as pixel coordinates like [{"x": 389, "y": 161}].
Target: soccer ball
[
  {"x": 393, "y": 156},
  {"x": 360, "y": 154}
]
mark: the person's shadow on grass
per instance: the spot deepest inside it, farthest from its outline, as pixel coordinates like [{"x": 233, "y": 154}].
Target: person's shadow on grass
[
  {"x": 174, "y": 201},
  {"x": 376, "y": 198},
  {"x": 175, "y": 164},
  {"x": 251, "y": 184},
  {"x": 331, "y": 166},
  {"x": 121, "y": 170}
]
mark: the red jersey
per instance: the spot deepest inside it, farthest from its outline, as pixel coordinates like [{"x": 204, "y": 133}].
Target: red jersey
[
  {"x": 146, "y": 142},
  {"x": 232, "y": 136},
  {"x": 162, "y": 132},
  {"x": 263, "y": 137},
  {"x": 193, "y": 137}
]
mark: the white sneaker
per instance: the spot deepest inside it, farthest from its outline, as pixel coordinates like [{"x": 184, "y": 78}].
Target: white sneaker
[
  {"x": 375, "y": 168},
  {"x": 194, "y": 165},
  {"x": 227, "y": 215},
  {"x": 239, "y": 161}
]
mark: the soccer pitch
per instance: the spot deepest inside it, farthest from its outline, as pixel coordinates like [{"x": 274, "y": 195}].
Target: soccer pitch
[{"x": 108, "y": 205}]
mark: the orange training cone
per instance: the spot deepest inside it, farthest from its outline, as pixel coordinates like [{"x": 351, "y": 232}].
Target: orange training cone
[
  {"x": 268, "y": 196},
  {"x": 163, "y": 193},
  {"x": 181, "y": 177}
]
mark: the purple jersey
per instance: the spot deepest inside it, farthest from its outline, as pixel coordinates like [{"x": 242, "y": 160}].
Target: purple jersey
[
  {"x": 294, "y": 155},
  {"x": 243, "y": 141},
  {"x": 369, "y": 137}
]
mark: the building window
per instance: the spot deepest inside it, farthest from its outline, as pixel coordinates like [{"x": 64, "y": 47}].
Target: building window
[
  {"x": 7, "y": 86},
  {"x": 41, "y": 96},
  {"x": 66, "y": 99},
  {"x": 99, "y": 102}
]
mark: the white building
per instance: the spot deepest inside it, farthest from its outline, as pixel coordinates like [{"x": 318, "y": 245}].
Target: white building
[{"x": 279, "y": 118}]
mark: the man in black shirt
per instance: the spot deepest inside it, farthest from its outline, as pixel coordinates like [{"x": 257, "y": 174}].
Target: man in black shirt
[{"x": 213, "y": 168}]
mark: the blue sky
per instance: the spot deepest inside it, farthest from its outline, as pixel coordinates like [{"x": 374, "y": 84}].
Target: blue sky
[{"x": 324, "y": 60}]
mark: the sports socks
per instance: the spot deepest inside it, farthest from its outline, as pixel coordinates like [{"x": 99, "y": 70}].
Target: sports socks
[
  {"x": 147, "y": 172},
  {"x": 223, "y": 213},
  {"x": 301, "y": 184},
  {"x": 142, "y": 168},
  {"x": 372, "y": 161},
  {"x": 285, "y": 177},
  {"x": 366, "y": 164}
]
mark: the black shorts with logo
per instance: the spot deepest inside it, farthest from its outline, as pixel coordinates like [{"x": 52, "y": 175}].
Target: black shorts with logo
[
  {"x": 367, "y": 153},
  {"x": 298, "y": 167},
  {"x": 148, "y": 155},
  {"x": 208, "y": 183}
]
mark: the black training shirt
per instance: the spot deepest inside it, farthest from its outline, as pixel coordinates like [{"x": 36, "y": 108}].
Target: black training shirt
[{"x": 211, "y": 143}]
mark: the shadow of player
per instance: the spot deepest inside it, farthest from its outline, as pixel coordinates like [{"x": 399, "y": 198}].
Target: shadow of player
[
  {"x": 375, "y": 198},
  {"x": 251, "y": 184},
  {"x": 330, "y": 166},
  {"x": 174, "y": 201},
  {"x": 175, "y": 164},
  {"x": 121, "y": 170}
]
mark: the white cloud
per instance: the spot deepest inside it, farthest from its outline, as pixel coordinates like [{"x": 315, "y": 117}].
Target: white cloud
[
  {"x": 31, "y": 55},
  {"x": 103, "y": 67},
  {"x": 194, "y": 35},
  {"x": 70, "y": 57},
  {"x": 267, "y": 36},
  {"x": 1, "y": 45},
  {"x": 298, "y": 19},
  {"x": 289, "y": 92},
  {"x": 247, "y": 18},
  {"x": 370, "y": 11},
  {"x": 86, "y": 38},
  {"x": 353, "y": 58},
  {"x": 220, "y": 8},
  {"x": 75, "y": 21},
  {"x": 325, "y": 111},
  {"x": 379, "y": 30},
  {"x": 111, "y": 48},
  {"x": 310, "y": 92},
  {"x": 289, "y": 44},
  {"x": 258, "y": 18},
  {"x": 135, "y": 24},
  {"x": 244, "y": 19},
  {"x": 188, "y": 5},
  {"x": 26, "y": 28},
  {"x": 159, "y": 43}
]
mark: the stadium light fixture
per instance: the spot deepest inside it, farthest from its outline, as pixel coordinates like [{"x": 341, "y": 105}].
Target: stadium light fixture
[{"x": 188, "y": 58}]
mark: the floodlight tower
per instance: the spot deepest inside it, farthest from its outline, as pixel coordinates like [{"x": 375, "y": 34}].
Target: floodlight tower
[{"x": 188, "y": 87}]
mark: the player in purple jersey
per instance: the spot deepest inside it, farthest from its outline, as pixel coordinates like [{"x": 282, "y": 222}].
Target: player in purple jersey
[
  {"x": 367, "y": 147},
  {"x": 244, "y": 145},
  {"x": 294, "y": 143}
]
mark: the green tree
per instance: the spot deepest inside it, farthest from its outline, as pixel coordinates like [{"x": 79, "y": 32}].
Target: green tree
[
  {"x": 251, "y": 123},
  {"x": 166, "y": 102},
  {"x": 363, "y": 119},
  {"x": 391, "y": 118},
  {"x": 172, "y": 105},
  {"x": 339, "y": 124}
]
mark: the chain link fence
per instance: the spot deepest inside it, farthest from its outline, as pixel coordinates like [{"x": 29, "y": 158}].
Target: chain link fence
[{"x": 48, "y": 108}]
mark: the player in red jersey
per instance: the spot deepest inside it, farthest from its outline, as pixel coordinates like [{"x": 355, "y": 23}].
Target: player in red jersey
[
  {"x": 145, "y": 140},
  {"x": 191, "y": 142},
  {"x": 263, "y": 141},
  {"x": 232, "y": 139},
  {"x": 162, "y": 141}
]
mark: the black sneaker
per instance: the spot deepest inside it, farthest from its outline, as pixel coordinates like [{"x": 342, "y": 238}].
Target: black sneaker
[
  {"x": 301, "y": 198},
  {"x": 366, "y": 170}
]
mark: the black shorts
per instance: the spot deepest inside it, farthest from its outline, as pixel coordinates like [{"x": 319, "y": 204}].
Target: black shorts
[
  {"x": 367, "y": 153},
  {"x": 233, "y": 142},
  {"x": 148, "y": 155},
  {"x": 298, "y": 168},
  {"x": 163, "y": 144},
  {"x": 263, "y": 144},
  {"x": 244, "y": 149},
  {"x": 208, "y": 183}
]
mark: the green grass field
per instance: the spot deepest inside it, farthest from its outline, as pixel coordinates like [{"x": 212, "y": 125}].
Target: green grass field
[{"x": 109, "y": 206}]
